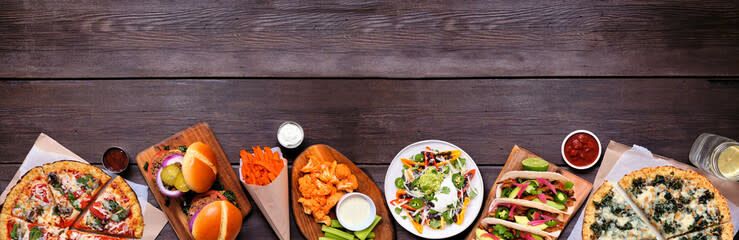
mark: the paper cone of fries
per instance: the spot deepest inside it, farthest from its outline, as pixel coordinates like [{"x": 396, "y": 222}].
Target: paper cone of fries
[{"x": 272, "y": 199}]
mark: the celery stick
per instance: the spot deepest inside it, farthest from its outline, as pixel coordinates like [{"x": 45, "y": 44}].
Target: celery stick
[
  {"x": 328, "y": 238},
  {"x": 371, "y": 235},
  {"x": 333, "y": 236},
  {"x": 362, "y": 235},
  {"x": 342, "y": 234},
  {"x": 335, "y": 224}
]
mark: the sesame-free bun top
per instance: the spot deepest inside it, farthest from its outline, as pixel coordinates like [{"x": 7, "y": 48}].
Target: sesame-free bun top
[
  {"x": 219, "y": 220},
  {"x": 199, "y": 167}
]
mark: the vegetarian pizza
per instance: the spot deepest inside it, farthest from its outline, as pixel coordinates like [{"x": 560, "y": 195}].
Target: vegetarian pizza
[
  {"x": 31, "y": 199},
  {"x": 676, "y": 201},
  {"x": 49, "y": 199},
  {"x": 73, "y": 185},
  {"x": 609, "y": 216},
  {"x": 116, "y": 212},
  {"x": 15, "y": 229},
  {"x": 680, "y": 204},
  {"x": 80, "y": 235},
  {"x": 723, "y": 231}
]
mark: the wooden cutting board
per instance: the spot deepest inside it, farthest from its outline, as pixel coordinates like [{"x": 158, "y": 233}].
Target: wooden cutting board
[
  {"x": 518, "y": 154},
  {"x": 226, "y": 175},
  {"x": 309, "y": 227}
]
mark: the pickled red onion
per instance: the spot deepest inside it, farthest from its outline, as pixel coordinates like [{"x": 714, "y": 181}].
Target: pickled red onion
[
  {"x": 548, "y": 184},
  {"x": 522, "y": 188},
  {"x": 542, "y": 197}
]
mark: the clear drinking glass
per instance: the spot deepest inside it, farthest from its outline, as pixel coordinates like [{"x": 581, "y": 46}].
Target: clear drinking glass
[{"x": 717, "y": 155}]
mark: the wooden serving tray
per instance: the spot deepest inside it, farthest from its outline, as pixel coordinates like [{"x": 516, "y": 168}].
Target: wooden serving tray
[
  {"x": 309, "y": 227},
  {"x": 518, "y": 154},
  {"x": 226, "y": 176}
]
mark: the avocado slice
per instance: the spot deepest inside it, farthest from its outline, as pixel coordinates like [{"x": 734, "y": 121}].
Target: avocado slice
[
  {"x": 553, "y": 204},
  {"x": 523, "y": 220},
  {"x": 483, "y": 235},
  {"x": 514, "y": 193},
  {"x": 556, "y": 205}
]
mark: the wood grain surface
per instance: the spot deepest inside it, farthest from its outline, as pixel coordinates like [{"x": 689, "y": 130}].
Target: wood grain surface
[
  {"x": 514, "y": 163},
  {"x": 368, "y": 121},
  {"x": 408, "y": 39},
  {"x": 171, "y": 207},
  {"x": 307, "y": 225}
]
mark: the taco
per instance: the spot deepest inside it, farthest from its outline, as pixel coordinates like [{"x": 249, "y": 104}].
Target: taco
[
  {"x": 532, "y": 215},
  {"x": 549, "y": 188},
  {"x": 498, "y": 229}
]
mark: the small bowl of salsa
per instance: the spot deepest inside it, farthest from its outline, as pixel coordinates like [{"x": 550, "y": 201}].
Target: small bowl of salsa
[{"x": 581, "y": 149}]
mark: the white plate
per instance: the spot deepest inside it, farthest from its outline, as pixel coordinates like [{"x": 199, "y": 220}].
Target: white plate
[{"x": 395, "y": 170}]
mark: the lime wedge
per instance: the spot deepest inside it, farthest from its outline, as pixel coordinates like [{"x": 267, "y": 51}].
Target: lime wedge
[{"x": 535, "y": 164}]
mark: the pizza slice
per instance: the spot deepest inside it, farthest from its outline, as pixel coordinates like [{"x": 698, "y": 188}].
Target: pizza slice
[
  {"x": 73, "y": 184},
  {"x": 718, "y": 232},
  {"x": 608, "y": 215},
  {"x": 79, "y": 235},
  {"x": 676, "y": 201},
  {"x": 13, "y": 228},
  {"x": 31, "y": 199},
  {"x": 116, "y": 212}
]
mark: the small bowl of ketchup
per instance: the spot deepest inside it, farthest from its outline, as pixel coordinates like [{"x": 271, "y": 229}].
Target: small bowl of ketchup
[{"x": 581, "y": 149}]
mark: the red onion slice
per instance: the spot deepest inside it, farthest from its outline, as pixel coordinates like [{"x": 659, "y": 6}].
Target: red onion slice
[
  {"x": 169, "y": 160},
  {"x": 192, "y": 219}
]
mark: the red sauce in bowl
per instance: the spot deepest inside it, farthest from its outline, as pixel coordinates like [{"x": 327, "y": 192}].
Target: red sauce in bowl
[
  {"x": 581, "y": 149},
  {"x": 115, "y": 160}
]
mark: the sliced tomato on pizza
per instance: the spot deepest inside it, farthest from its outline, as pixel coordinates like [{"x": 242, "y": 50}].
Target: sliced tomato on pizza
[
  {"x": 13, "y": 228},
  {"x": 115, "y": 212},
  {"x": 79, "y": 235},
  {"x": 31, "y": 199},
  {"x": 73, "y": 184}
]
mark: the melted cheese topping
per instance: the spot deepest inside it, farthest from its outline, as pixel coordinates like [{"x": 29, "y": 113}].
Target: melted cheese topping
[
  {"x": 37, "y": 207},
  {"x": 117, "y": 228},
  {"x": 677, "y": 211},
  {"x": 713, "y": 233},
  {"x": 620, "y": 221}
]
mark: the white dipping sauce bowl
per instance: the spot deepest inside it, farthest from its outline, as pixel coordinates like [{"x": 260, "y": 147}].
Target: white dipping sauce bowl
[{"x": 363, "y": 224}]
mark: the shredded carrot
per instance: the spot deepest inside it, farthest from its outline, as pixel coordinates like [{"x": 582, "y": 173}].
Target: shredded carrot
[{"x": 260, "y": 167}]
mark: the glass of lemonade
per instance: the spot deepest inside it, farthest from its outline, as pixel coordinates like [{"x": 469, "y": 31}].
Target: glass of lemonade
[{"x": 717, "y": 155}]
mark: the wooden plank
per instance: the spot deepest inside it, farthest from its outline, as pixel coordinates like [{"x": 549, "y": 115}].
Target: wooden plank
[
  {"x": 226, "y": 176},
  {"x": 405, "y": 39},
  {"x": 312, "y": 229},
  {"x": 370, "y": 121},
  {"x": 517, "y": 155}
]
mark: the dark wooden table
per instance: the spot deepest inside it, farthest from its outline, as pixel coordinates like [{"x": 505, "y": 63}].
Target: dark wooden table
[{"x": 367, "y": 77}]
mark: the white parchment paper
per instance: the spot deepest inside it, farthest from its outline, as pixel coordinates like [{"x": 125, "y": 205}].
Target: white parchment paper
[
  {"x": 46, "y": 150},
  {"x": 634, "y": 159}
]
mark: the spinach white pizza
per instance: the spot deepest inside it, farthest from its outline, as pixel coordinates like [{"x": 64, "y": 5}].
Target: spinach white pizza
[
  {"x": 608, "y": 215},
  {"x": 676, "y": 201},
  {"x": 718, "y": 232}
]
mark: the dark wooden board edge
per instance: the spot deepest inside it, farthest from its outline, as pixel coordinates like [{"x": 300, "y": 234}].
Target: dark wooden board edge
[
  {"x": 226, "y": 176},
  {"x": 310, "y": 229},
  {"x": 513, "y": 162}
]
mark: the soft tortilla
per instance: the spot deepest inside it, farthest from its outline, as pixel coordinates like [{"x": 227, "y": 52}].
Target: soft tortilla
[
  {"x": 493, "y": 221},
  {"x": 533, "y": 175}
]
